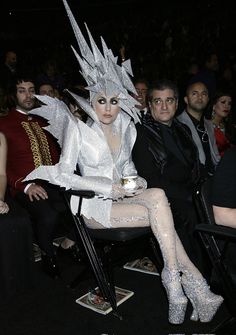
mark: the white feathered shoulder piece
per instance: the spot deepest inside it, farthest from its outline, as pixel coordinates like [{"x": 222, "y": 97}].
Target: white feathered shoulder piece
[
  {"x": 58, "y": 114},
  {"x": 69, "y": 132}
]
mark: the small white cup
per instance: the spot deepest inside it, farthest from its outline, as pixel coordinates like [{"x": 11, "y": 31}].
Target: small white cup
[{"x": 129, "y": 182}]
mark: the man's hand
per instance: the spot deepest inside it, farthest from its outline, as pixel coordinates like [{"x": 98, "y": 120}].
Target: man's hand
[
  {"x": 36, "y": 192},
  {"x": 3, "y": 207}
]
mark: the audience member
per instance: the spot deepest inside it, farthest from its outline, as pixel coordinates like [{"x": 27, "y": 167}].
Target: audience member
[
  {"x": 122, "y": 53},
  {"x": 223, "y": 198},
  {"x": 227, "y": 79},
  {"x": 8, "y": 70},
  {"x": 3, "y": 179},
  {"x": 190, "y": 69},
  {"x": 30, "y": 146},
  {"x": 166, "y": 156},
  {"x": 47, "y": 89},
  {"x": 51, "y": 75},
  {"x": 221, "y": 121},
  {"x": 196, "y": 100},
  {"x": 224, "y": 190},
  {"x": 3, "y": 100},
  {"x": 141, "y": 85},
  {"x": 208, "y": 73},
  {"x": 16, "y": 257},
  {"x": 110, "y": 133}
]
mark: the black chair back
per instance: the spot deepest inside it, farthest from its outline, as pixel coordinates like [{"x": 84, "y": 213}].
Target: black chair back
[
  {"x": 215, "y": 239},
  {"x": 100, "y": 260},
  {"x": 204, "y": 196}
]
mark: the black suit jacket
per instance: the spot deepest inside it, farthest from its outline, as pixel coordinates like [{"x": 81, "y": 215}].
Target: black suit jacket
[{"x": 160, "y": 165}]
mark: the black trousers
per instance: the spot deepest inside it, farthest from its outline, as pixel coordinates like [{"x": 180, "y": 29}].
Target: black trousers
[
  {"x": 46, "y": 216},
  {"x": 16, "y": 251}
]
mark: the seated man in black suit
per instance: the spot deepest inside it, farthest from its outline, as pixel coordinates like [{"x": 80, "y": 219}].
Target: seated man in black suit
[
  {"x": 166, "y": 156},
  {"x": 141, "y": 85},
  {"x": 224, "y": 190},
  {"x": 223, "y": 199}
]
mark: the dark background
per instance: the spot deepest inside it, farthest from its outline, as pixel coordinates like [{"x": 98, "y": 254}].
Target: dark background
[
  {"x": 35, "y": 17},
  {"x": 38, "y": 30}
]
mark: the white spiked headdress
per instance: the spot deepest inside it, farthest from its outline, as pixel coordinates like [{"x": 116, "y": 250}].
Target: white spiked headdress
[{"x": 101, "y": 71}]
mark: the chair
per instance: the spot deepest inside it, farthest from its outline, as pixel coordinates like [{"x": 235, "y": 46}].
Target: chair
[
  {"x": 99, "y": 243},
  {"x": 215, "y": 239}
]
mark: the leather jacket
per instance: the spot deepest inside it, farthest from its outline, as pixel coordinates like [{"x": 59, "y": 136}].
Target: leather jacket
[{"x": 160, "y": 165}]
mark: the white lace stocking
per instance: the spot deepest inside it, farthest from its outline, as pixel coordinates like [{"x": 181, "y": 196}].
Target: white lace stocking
[
  {"x": 152, "y": 208},
  {"x": 149, "y": 208}
]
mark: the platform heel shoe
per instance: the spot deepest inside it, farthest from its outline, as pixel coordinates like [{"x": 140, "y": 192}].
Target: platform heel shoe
[
  {"x": 177, "y": 300},
  {"x": 205, "y": 303}
]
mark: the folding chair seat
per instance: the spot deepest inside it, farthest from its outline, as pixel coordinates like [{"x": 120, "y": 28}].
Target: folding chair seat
[
  {"x": 215, "y": 239},
  {"x": 99, "y": 244}
]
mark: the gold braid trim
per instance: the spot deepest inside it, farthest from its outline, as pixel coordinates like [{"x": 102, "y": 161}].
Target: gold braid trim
[
  {"x": 43, "y": 144},
  {"x": 38, "y": 143}
]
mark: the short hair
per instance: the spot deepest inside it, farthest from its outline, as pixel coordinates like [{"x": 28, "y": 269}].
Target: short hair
[
  {"x": 141, "y": 80},
  {"x": 193, "y": 82},
  {"x": 42, "y": 83},
  {"x": 13, "y": 88},
  {"x": 162, "y": 85},
  {"x": 20, "y": 79},
  {"x": 8, "y": 52}
]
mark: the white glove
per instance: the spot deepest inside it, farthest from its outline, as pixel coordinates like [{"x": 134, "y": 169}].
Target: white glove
[
  {"x": 118, "y": 192},
  {"x": 141, "y": 185}
]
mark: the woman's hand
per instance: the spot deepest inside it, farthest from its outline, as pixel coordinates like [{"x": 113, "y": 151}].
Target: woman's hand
[
  {"x": 3, "y": 207},
  {"x": 118, "y": 192},
  {"x": 141, "y": 185}
]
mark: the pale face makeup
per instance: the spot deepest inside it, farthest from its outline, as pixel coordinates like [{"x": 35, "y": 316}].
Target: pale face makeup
[{"x": 107, "y": 108}]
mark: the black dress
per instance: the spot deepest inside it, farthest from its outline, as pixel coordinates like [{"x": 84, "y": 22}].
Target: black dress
[{"x": 16, "y": 255}]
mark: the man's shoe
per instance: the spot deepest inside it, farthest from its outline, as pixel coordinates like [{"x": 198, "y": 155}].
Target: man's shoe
[
  {"x": 73, "y": 253},
  {"x": 50, "y": 266}
]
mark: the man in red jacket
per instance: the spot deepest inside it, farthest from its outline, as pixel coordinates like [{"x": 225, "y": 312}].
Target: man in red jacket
[{"x": 30, "y": 146}]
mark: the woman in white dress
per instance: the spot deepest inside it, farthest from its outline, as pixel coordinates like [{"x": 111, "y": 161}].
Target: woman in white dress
[{"x": 102, "y": 150}]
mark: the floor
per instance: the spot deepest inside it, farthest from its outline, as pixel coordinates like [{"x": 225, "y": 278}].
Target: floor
[{"x": 50, "y": 308}]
